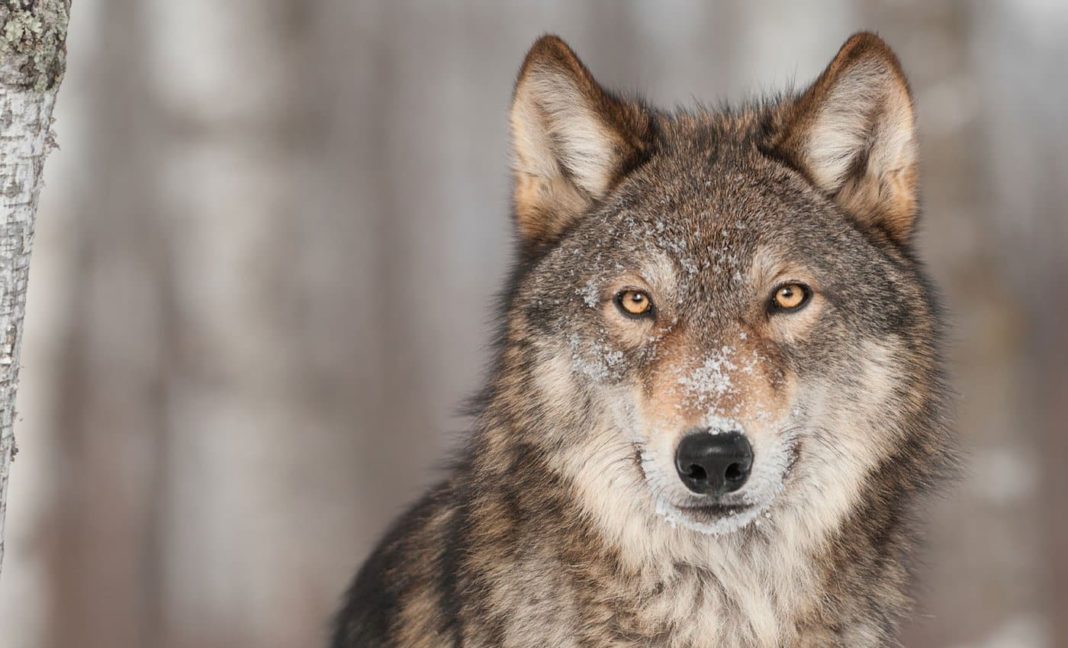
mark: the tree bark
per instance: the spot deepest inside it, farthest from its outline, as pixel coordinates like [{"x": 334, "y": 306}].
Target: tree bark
[{"x": 33, "y": 35}]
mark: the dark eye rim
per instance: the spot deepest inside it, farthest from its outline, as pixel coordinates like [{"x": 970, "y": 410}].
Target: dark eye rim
[
  {"x": 806, "y": 292},
  {"x": 618, "y": 301}
]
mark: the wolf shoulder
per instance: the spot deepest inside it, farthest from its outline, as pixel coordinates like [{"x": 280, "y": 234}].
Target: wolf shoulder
[{"x": 408, "y": 563}]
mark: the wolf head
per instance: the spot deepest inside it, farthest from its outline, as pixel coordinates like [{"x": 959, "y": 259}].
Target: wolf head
[{"x": 717, "y": 322}]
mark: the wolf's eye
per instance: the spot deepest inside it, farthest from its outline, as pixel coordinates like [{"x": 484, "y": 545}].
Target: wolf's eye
[
  {"x": 790, "y": 297},
  {"x": 634, "y": 303}
]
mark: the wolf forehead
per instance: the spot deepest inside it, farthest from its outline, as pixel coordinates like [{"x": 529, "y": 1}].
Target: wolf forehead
[
  {"x": 708, "y": 196},
  {"x": 707, "y": 188},
  {"x": 705, "y": 215}
]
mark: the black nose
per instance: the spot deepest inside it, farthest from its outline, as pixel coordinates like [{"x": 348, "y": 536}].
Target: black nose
[{"x": 714, "y": 464}]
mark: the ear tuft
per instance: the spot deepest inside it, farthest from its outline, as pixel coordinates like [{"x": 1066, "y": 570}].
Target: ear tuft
[
  {"x": 852, "y": 132},
  {"x": 571, "y": 140}
]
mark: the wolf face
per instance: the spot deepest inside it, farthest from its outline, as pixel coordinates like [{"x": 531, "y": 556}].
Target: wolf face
[
  {"x": 717, "y": 392},
  {"x": 720, "y": 310}
]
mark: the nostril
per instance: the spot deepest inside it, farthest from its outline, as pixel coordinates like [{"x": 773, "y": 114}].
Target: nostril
[
  {"x": 734, "y": 472},
  {"x": 696, "y": 473}
]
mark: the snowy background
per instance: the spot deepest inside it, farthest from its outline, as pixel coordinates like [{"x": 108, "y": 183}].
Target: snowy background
[{"x": 265, "y": 266}]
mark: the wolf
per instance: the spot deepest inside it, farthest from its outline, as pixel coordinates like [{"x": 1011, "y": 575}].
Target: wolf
[{"x": 718, "y": 398}]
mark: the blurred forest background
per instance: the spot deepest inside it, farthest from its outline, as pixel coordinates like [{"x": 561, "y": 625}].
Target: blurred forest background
[{"x": 264, "y": 273}]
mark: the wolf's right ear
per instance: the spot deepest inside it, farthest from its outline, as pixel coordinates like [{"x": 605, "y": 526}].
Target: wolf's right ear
[{"x": 571, "y": 140}]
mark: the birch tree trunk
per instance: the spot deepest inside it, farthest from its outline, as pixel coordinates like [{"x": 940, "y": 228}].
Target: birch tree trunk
[{"x": 33, "y": 36}]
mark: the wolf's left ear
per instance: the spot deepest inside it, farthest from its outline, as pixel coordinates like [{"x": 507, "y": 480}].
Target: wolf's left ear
[
  {"x": 853, "y": 134},
  {"x": 572, "y": 140}
]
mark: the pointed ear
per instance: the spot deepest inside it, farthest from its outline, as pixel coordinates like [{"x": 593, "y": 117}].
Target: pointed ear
[
  {"x": 853, "y": 134},
  {"x": 571, "y": 140}
]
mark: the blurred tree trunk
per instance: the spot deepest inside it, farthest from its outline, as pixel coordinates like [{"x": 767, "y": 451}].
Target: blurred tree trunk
[{"x": 33, "y": 38}]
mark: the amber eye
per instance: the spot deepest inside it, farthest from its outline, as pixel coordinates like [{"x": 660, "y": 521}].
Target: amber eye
[
  {"x": 790, "y": 297},
  {"x": 634, "y": 303}
]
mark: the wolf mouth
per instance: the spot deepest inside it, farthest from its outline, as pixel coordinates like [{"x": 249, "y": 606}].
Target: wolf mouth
[{"x": 714, "y": 510}]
